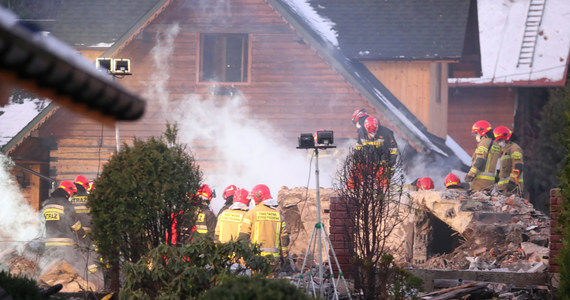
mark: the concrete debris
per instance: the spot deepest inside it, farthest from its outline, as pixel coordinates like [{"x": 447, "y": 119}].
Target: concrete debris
[{"x": 496, "y": 232}]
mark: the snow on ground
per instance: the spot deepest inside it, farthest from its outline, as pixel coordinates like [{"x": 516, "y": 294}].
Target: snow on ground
[
  {"x": 501, "y": 26},
  {"x": 15, "y": 116}
]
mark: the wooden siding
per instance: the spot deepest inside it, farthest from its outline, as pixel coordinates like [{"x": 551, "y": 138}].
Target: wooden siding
[
  {"x": 468, "y": 105},
  {"x": 438, "y": 99},
  {"x": 290, "y": 85},
  {"x": 413, "y": 83}
]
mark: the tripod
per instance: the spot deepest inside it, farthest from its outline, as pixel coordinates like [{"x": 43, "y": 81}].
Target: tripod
[{"x": 319, "y": 237}]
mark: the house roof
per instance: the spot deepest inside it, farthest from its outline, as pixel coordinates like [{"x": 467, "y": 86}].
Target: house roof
[
  {"x": 397, "y": 29},
  {"x": 501, "y": 30},
  {"x": 320, "y": 32},
  {"x": 83, "y": 86},
  {"x": 104, "y": 24}
]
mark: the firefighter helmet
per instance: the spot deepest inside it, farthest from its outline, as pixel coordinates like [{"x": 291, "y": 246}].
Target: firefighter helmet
[
  {"x": 502, "y": 133},
  {"x": 229, "y": 191},
  {"x": 69, "y": 187},
  {"x": 481, "y": 127},
  {"x": 359, "y": 113},
  {"x": 371, "y": 125},
  {"x": 82, "y": 181},
  {"x": 451, "y": 179},
  {"x": 424, "y": 183},
  {"x": 205, "y": 193},
  {"x": 260, "y": 193},
  {"x": 241, "y": 196}
]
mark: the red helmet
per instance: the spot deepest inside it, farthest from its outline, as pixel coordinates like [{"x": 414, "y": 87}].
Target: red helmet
[
  {"x": 371, "y": 125},
  {"x": 260, "y": 193},
  {"x": 502, "y": 133},
  {"x": 229, "y": 191},
  {"x": 69, "y": 187},
  {"x": 204, "y": 192},
  {"x": 424, "y": 183},
  {"x": 241, "y": 196},
  {"x": 359, "y": 113},
  {"x": 481, "y": 127},
  {"x": 451, "y": 179},
  {"x": 83, "y": 181}
]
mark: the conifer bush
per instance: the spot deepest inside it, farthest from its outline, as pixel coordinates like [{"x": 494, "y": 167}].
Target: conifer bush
[{"x": 139, "y": 190}]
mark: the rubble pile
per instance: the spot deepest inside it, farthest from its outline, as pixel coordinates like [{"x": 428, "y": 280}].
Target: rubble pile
[
  {"x": 299, "y": 207},
  {"x": 501, "y": 233}
]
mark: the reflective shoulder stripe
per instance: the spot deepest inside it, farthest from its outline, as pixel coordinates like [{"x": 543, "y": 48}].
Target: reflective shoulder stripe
[
  {"x": 54, "y": 206},
  {"x": 59, "y": 242},
  {"x": 506, "y": 156},
  {"x": 76, "y": 226},
  {"x": 481, "y": 149},
  {"x": 82, "y": 209},
  {"x": 516, "y": 155}
]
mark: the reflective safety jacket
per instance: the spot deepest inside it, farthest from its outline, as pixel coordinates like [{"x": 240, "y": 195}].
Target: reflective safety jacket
[
  {"x": 205, "y": 221},
  {"x": 63, "y": 227},
  {"x": 266, "y": 226},
  {"x": 79, "y": 203},
  {"x": 227, "y": 228},
  {"x": 383, "y": 139},
  {"x": 484, "y": 164},
  {"x": 511, "y": 160}
]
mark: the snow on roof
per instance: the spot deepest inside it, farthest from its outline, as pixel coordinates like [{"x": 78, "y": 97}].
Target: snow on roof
[
  {"x": 458, "y": 150},
  {"x": 501, "y": 27},
  {"x": 323, "y": 26},
  {"x": 15, "y": 116}
]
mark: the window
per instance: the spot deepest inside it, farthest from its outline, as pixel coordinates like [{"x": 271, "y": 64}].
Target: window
[{"x": 224, "y": 58}]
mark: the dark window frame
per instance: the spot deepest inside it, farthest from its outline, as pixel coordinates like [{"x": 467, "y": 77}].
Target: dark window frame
[{"x": 218, "y": 64}]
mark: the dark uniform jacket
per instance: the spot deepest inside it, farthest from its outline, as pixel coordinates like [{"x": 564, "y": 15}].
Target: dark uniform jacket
[
  {"x": 62, "y": 224},
  {"x": 383, "y": 139},
  {"x": 79, "y": 203},
  {"x": 206, "y": 220}
]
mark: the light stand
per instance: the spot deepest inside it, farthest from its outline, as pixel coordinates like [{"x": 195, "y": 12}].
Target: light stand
[{"x": 319, "y": 236}]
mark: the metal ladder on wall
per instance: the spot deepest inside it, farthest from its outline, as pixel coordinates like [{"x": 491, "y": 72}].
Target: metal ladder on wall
[{"x": 531, "y": 32}]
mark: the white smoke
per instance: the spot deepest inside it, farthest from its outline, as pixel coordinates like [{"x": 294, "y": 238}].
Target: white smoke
[
  {"x": 244, "y": 146},
  {"x": 19, "y": 222}
]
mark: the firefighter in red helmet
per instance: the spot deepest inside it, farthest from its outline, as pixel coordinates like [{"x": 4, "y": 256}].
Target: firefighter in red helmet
[
  {"x": 264, "y": 225},
  {"x": 424, "y": 184},
  {"x": 229, "y": 220},
  {"x": 512, "y": 163},
  {"x": 452, "y": 183},
  {"x": 206, "y": 219},
  {"x": 63, "y": 229},
  {"x": 481, "y": 175},
  {"x": 79, "y": 201},
  {"x": 228, "y": 196},
  {"x": 375, "y": 136}
]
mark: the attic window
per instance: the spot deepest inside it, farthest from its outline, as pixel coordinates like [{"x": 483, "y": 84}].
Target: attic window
[{"x": 224, "y": 58}]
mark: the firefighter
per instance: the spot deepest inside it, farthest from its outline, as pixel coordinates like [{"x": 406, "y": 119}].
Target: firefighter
[
  {"x": 63, "y": 229},
  {"x": 375, "y": 136},
  {"x": 424, "y": 184},
  {"x": 228, "y": 197},
  {"x": 452, "y": 183},
  {"x": 358, "y": 118},
  {"x": 229, "y": 220},
  {"x": 511, "y": 166},
  {"x": 264, "y": 225},
  {"x": 206, "y": 219},
  {"x": 79, "y": 202},
  {"x": 481, "y": 175}
]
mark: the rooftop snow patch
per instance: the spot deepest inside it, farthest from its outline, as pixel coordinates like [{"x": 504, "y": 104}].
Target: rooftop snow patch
[
  {"x": 323, "y": 26},
  {"x": 15, "y": 116}
]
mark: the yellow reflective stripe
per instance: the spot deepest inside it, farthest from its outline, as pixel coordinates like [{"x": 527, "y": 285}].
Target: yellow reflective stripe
[
  {"x": 517, "y": 155},
  {"x": 270, "y": 254},
  {"x": 473, "y": 170},
  {"x": 82, "y": 209},
  {"x": 277, "y": 234},
  {"x": 92, "y": 268},
  {"x": 59, "y": 242},
  {"x": 485, "y": 177},
  {"x": 503, "y": 181},
  {"x": 256, "y": 230},
  {"x": 505, "y": 157},
  {"x": 202, "y": 231},
  {"x": 393, "y": 150},
  {"x": 76, "y": 226},
  {"x": 55, "y": 206},
  {"x": 481, "y": 149},
  {"x": 247, "y": 221}
]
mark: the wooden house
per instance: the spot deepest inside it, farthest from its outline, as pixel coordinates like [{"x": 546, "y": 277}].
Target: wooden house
[{"x": 301, "y": 65}]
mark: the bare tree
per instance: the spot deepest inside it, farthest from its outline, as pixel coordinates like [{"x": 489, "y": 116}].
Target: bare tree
[{"x": 370, "y": 182}]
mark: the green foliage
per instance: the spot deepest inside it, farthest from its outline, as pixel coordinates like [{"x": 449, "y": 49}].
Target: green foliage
[
  {"x": 19, "y": 287},
  {"x": 186, "y": 272},
  {"x": 563, "y": 256},
  {"x": 546, "y": 156},
  {"x": 254, "y": 288},
  {"x": 138, "y": 191}
]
